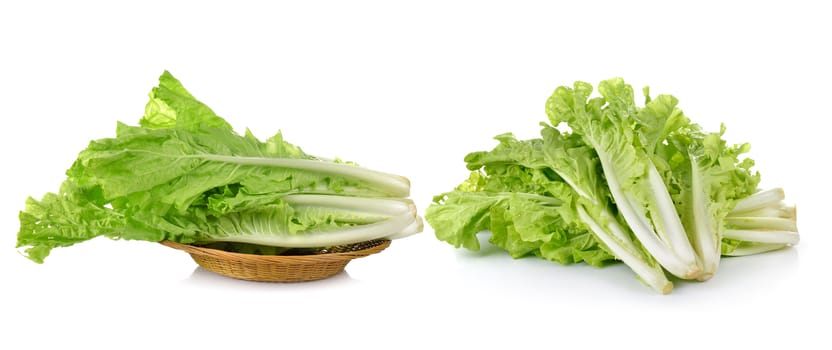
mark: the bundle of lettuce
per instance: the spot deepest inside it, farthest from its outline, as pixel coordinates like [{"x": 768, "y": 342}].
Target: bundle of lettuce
[
  {"x": 184, "y": 175},
  {"x": 610, "y": 181}
]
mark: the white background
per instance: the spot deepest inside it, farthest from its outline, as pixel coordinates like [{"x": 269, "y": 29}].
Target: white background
[{"x": 409, "y": 88}]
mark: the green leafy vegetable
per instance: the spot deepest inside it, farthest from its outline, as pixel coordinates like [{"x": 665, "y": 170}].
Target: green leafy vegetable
[
  {"x": 606, "y": 124},
  {"x": 185, "y": 175},
  {"x": 643, "y": 185}
]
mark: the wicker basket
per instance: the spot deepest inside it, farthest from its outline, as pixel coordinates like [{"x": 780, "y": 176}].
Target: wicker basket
[{"x": 280, "y": 268}]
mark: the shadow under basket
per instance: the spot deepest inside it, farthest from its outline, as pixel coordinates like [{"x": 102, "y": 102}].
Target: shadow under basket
[{"x": 280, "y": 268}]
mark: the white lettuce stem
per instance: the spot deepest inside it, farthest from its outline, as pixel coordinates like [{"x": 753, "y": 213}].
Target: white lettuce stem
[
  {"x": 778, "y": 210},
  {"x": 652, "y": 276},
  {"x": 643, "y": 232},
  {"x": 760, "y": 199},
  {"x": 412, "y": 229},
  {"x": 673, "y": 232},
  {"x": 784, "y": 237},
  {"x": 616, "y": 229},
  {"x": 355, "y": 210},
  {"x": 761, "y": 223},
  {"x": 343, "y": 216},
  {"x": 606, "y": 216},
  {"x": 756, "y": 248},
  {"x": 352, "y": 234},
  {"x": 638, "y": 210},
  {"x": 394, "y": 185},
  {"x": 706, "y": 236},
  {"x": 376, "y": 206}
]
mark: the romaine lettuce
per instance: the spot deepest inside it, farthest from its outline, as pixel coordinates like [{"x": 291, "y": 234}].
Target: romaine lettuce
[
  {"x": 643, "y": 185},
  {"x": 185, "y": 175}
]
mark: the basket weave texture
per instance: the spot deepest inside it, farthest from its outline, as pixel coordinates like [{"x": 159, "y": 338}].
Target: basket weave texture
[{"x": 279, "y": 268}]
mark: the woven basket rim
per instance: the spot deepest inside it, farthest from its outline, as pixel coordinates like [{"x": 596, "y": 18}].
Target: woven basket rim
[{"x": 284, "y": 259}]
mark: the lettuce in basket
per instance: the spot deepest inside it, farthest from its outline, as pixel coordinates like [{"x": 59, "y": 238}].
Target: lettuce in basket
[{"x": 184, "y": 175}]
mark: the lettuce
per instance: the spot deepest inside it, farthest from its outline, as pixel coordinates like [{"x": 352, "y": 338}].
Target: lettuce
[
  {"x": 643, "y": 185},
  {"x": 185, "y": 175},
  {"x": 606, "y": 124}
]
